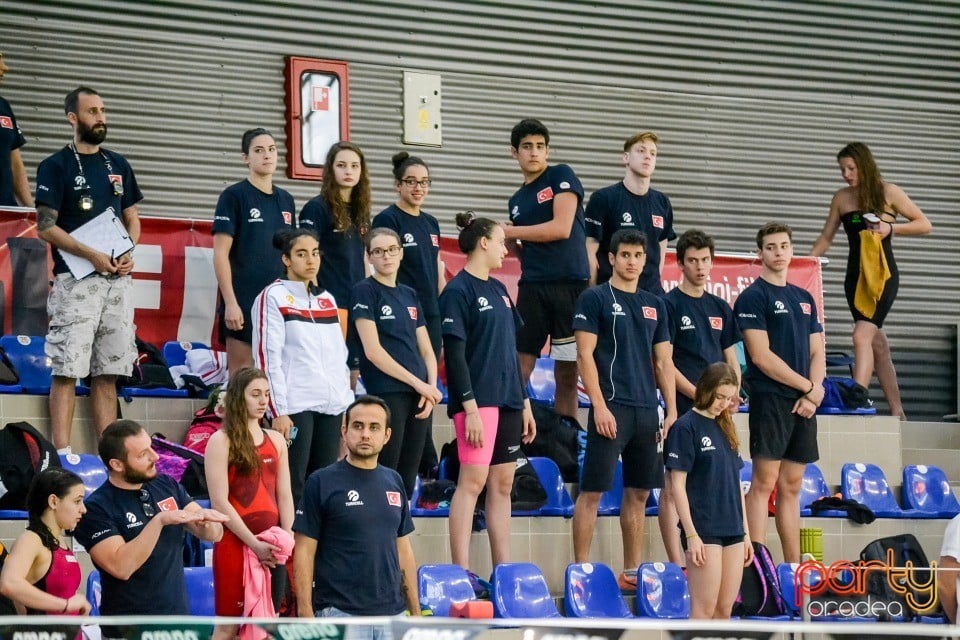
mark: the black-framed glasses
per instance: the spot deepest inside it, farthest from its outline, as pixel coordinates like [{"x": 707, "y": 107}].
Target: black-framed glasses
[
  {"x": 391, "y": 251},
  {"x": 146, "y": 501},
  {"x": 412, "y": 182}
]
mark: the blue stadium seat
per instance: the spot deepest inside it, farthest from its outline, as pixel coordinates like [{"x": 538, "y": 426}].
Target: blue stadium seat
[
  {"x": 443, "y": 392},
  {"x": 88, "y": 466},
  {"x": 93, "y": 592},
  {"x": 542, "y": 386},
  {"x": 788, "y": 591},
  {"x": 746, "y": 476},
  {"x": 559, "y": 502},
  {"x": 443, "y": 585},
  {"x": 419, "y": 512},
  {"x": 610, "y": 500},
  {"x": 867, "y": 484},
  {"x": 521, "y": 591},
  {"x": 813, "y": 488},
  {"x": 199, "y": 582},
  {"x": 175, "y": 352},
  {"x": 927, "y": 490},
  {"x": 591, "y": 591},
  {"x": 662, "y": 591},
  {"x": 29, "y": 358}
]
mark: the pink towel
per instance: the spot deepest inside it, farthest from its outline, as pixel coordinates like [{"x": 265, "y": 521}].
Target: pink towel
[{"x": 257, "y": 584}]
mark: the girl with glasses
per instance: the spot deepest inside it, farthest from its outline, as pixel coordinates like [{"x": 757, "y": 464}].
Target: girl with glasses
[
  {"x": 41, "y": 573},
  {"x": 397, "y": 362}
]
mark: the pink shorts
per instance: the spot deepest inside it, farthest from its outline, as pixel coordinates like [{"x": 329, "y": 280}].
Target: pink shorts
[{"x": 490, "y": 417}]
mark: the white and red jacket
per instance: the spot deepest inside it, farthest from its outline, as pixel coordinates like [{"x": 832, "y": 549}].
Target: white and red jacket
[{"x": 298, "y": 343}]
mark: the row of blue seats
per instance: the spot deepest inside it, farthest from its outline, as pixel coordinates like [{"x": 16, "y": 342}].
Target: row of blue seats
[
  {"x": 926, "y": 492},
  {"x": 519, "y": 590},
  {"x": 200, "y": 592},
  {"x": 29, "y": 359}
]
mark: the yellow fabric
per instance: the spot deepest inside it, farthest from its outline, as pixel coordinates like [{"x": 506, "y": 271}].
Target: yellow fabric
[{"x": 874, "y": 273}]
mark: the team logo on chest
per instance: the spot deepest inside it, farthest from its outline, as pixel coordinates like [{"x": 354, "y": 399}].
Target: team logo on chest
[
  {"x": 413, "y": 312},
  {"x": 657, "y": 221},
  {"x": 287, "y": 217},
  {"x": 805, "y": 307},
  {"x": 779, "y": 307},
  {"x": 650, "y": 313},
  {"x": 6, "y": 122},
  {"x": 506, "y": 301},
  {"x": 706, "y": 444},
  {"x": 255, "y": 215},
  {"x": 617, "y": 310},
  {"x": 545, "y": 195},
  {"x": 484, "y": 304},
  {"x": 408, "y": 240},
  {"x": 716, "y": 323},
  {"x": 686, "y": 324},
  {"x": 393, "y": 498},
  {"x": 79, "y": 181},
  {"x": 353, "y": 499},
  {"x": 435, "y": 239},
  {"x": 386, "y": 312},
  {"x": 627, "y": 219}
]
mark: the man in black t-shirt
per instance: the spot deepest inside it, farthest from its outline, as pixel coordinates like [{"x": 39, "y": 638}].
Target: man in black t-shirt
[
  {"x": 91, "y": 319},
  {"x": 354, "y": 556},
  {"x": 14, "y": 187},
  {"x": 785, "y": 371},
  {"x": 134, "y": 528}
]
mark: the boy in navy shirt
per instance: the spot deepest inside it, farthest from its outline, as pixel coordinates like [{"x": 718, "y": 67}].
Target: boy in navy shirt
[
  {"x": 624, "y": 351},
  {"x": 785, "y": 372},
  {"x": 546, "y": 222},
  {"x": 14, "y": 187},
  {"x": 631, "y": 204},
  {"x": 702, "y": 331}
]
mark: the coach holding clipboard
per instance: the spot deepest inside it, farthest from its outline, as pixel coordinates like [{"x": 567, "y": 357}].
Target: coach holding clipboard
[{"x": 91, "y": 319}]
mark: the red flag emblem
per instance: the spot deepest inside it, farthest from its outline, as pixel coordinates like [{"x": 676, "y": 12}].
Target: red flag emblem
[
  {"x": 6, "y": 122},
  {"x": 393, "y": 498},
  {"x": 805, "y": 307},
  {"x": 716, "y": 323},
  {"x": 650, "y": 313},
  {"x": 168, "y": 504},
  {"x": 506, "y": 301},
  {"x": 435, "y": 239},
  {"x": 287, "y": 217},
  {"x": 657, "y": 221},
  {"x": 545, "y": 195},
  {"x": 413, "y": 312}
]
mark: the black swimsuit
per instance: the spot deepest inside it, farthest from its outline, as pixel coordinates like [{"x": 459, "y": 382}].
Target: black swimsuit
[{"x": 853, "y": 224}]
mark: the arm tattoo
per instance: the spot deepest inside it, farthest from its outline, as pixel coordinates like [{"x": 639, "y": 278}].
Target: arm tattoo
[{"x": 46, "y": 217}]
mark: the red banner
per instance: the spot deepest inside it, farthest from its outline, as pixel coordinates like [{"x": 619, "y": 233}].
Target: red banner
[{"x": 175, "y": 289}]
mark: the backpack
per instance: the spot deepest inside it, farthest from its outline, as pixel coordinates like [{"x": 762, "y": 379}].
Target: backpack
[
  {"x": 527, "y": 493},
  {"x": 556, "y": 439},
  {"x": 24, "y": 453},
  {"x": 760, "y": 588},
  {"x": 205, "y": 423},
  {"x": 150, "y": 369},
  {"x": 905, "y": 548},
  {"x": 183, "y": 465}
]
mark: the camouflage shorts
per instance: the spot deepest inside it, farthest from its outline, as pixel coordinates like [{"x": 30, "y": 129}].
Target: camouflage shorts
[{"x": 91, "y": 326}]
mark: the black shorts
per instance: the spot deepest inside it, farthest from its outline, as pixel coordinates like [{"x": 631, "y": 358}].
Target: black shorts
[
  {"x": 547, "y": 310},
  {"x": 723, "y": 541},
  {"x": 777, "y": 433},
  {"x": 244, "y": 335},
  {"x": 637, "y": 441},
  {"x": 506, "y": 448}
]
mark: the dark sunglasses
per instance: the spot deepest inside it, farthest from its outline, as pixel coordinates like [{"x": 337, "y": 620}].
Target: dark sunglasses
[{"x": 147, "y": 502}]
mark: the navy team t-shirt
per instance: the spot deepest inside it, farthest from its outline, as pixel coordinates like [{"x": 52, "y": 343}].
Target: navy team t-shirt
[
  {"x": 627, "y": 326},
  {"x": 420, "y": 239},
  {"x": 252, "y": 217},
  {"x": 341, "y": 266},
  {"x": 157, "y": 587},
  {"x": 789, "y": 315},
  {"x": 397, "y": 314},
  {"x": 11, "y": 139},
  {"x": 696, "y": 444},
  {"x": 481, "y": 313},
  {"x": 700, "y": 330},
  {"x": 616, "y": 207},
  {"x": 60, "y": 187},
  {"x": 356, "y": 516},
  {"x": 560, "y": 260}
]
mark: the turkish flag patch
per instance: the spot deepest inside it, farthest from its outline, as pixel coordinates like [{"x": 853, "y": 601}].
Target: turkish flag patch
[
  {"x": 435, "y": 239},
  {"x": 393, "y": 498},
  {"x": 805, "y": 307},
  {"x": 545, "y": 195},
  {"x": 716, "y": 323},
  {"x": 506, "y": 301},
  {"x": 168, "y": 504},
  {"x": 6, "y": 122},
  {"x": 325, "y": 304},
  {"x": 650, "y": 313},
  {"x": 657, "y": 221},
  {"x": 287, "y": 217},
  {"x": 115, "y": 178},
  {"x": 413, "y": 312}
]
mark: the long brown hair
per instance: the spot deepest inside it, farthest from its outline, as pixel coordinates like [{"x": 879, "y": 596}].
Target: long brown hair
[
  {"x": 357, "y": 211},
  {"x": 869, "y": 182},
  {"x": 714, "y": 377},
  {"x": 243, "y": 453}
]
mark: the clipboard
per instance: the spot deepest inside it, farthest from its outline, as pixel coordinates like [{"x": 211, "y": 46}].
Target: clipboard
[{"x": 105, "y": 234}]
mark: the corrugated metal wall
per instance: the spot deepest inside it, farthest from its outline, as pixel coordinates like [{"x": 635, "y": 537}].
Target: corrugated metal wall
[{"x": 752, "y": 99}]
